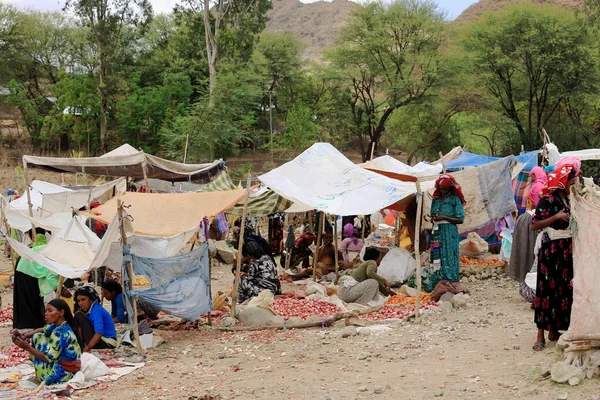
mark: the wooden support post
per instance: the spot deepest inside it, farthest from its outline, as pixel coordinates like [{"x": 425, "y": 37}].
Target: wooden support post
[
  {"x": 417, "y": 251},
  {"x": 335, "y": 248},
  {"x": 310, "y": 222},
  {"x": 289, "y": 250},
  {"x": 136, "y": 332},
  {"x": 29, "y": 205},
  {"x": 59, "y": 288},
  {"x": 364, "y": 222},
  {"x": 319, "y": 237},
  {"x": 238, "y": 265},
  {"x": 443, "y": 163},
  {"x": 397, "y": 228},
  {"x": 145, "y": 170},
  {"x": 210, "y": 263}
]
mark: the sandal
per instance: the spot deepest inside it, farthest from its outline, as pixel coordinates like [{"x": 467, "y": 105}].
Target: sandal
[{"x": 539, "y": 346}]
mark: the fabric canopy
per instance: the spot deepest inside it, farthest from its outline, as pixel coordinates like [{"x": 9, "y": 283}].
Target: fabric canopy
[
  {"x": 129, "y": 162},
  {"x": 324, "y": 179},
  {"x": 466, "y": 159},
  {"x": 167, "y": 214},
  {"x": 390, "y": 164}
]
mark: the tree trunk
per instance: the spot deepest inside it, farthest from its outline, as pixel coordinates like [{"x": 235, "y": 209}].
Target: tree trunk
[
  {"x": 102, "y": 94},
  {"x": 211, "y": 49}
]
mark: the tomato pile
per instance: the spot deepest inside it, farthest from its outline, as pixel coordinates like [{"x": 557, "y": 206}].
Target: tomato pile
[
  {"x": 477, "y": 263},
  {"x": 395, "y": 312},
  {"x": 303, "y": 308},
  {"x": 6, "y": 314},
  {"x": 14, "y": 355},
  {"x": 402, "y": 299}
]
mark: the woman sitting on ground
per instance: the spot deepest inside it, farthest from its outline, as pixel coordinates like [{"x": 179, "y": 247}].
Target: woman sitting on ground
[
  {"x": 54, "y": 349},
  {"x": 261, "y": 274},
  {"x": 351, "y": 247},
  {"x": 96, "y": 326},
  {"x": 112, "y": 291},
  {"x": 364, "y": 285}
]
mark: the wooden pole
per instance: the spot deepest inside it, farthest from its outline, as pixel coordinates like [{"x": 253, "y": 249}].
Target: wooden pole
[
  {"x": 187, "y": 140},
  {"x": 238, "y": 265},
  {"x": 136, "y": 332},
  {"x": 417, "y": 251},
  {"x": 443, "y": 163},
  {"x": 397, "y": 228},
  {"x": 210, "y": 263},
  {"x": 364, "y": 222},
  {"x": 310, "y": 222},
  {"x": 335, "y": 248},
  {"x": 59, "y": 288},
  {"x": 145, "y": 170},
  {"x": 289, "y": 251},
  {"x": 29, "y": 205},
  {"x": 319, "y": 237}
]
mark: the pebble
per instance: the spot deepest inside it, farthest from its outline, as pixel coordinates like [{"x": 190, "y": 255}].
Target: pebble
[
  {"x": 516, "y": 347},
  {"x": 461, "y": 388},
  {"x": 362, "y": 389},
  {"x": 574, "y": 381},
  {"x": 364, "y": 355},
  {"x": 438, "y": 394},
  {"x": 378, "y": 389},
  {"x": 349, "y": 331},
  {"x": 222, "y": 356},
  {"x": 563, "y": 396}
]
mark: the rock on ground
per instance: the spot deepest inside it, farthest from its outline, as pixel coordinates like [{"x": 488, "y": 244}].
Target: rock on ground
[
  {"x": 460, "y": 300},
  {"x": 563, "y": 372}
]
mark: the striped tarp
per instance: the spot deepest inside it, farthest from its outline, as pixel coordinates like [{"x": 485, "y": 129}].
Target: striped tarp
[{"x": 262, "y": 204}]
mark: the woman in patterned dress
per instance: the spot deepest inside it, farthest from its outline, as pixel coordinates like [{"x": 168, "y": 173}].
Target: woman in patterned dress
[
  {"x": 261, "y": 275},
  {"x": 554, "y": 291},
  {"x": 54, "y": 349},
  {"x": 446, "y": 213}
]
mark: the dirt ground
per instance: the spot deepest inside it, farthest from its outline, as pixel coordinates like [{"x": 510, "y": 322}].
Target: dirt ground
[{"x": 481, "y": 352}]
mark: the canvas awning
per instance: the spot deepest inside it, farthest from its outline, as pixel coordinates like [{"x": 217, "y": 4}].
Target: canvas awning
[
  {"x": 390, "y": 164},
  {"x": 324, "y": 179},
  {"x": 129, "y": 162},
  {"x": 167, "y": 214}
]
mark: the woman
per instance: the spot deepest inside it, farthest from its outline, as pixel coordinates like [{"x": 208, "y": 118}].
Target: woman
[
  {"x": 351, "y": 247},
  {"x": 96, "y": 326},
  {"x": 54, "y": 350},
  {"x": 301, "y": 253},
  {"x": 113, "y": 292},
  {"x": 446, "y": 213},
  {"x": 261, "y": 275},
  {"x": 539, "y": 178},
  {"x": 554, "y": 293},
  {"x": 364, "y": 285}
]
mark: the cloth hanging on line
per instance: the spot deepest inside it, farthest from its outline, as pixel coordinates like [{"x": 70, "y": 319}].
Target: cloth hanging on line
[{"x": 180, "y": 284}]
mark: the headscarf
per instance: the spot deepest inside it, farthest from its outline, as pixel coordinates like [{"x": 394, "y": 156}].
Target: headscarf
[
  {"x": 539, "y": 181},
  {"x": 87, "y": 291},
  {"x": 557, "y": 179},
  {"x": 305, "y": 235},
  {"x": 348, "y": 230},
  {"x": 60, "y": 304},
  {"x": 449, "y": 180},
  {"x": 574, "y": 162}
]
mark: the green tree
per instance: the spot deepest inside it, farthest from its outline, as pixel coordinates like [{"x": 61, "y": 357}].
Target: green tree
[
  {"x": 389, "y": 57},
  {"x": 300, "y": 130},
  {"x": 535, "y": 60}
]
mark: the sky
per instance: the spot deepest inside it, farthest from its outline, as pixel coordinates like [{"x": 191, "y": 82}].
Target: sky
[{"x": 453, "y": 7}]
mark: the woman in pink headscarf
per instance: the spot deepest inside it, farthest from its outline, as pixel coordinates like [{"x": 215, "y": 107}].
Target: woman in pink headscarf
[
  {"x": 351, "y": 246},
  {"x": 540, "y": 180}
]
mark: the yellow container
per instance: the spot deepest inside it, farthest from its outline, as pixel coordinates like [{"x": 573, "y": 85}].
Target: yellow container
[{"x": 6, "y": 279}]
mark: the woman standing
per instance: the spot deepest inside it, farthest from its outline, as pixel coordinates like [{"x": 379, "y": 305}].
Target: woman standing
[
  {"x": 54, "y": 349},
  {"x": 554, "y": 293},
  {"x": 446, "y": 213}
]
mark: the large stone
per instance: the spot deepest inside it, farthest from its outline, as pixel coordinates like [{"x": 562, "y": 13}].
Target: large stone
[
  {"x": 224, "y": 252},
  {"x": 445, "y": 306},
  {"x": 460, "y": 300},
  {"x": 348, "y": 331},
  {"x": 447, "y": 296},
  {"x": 256, "y": 316},
  {"x": 563, "y": 372},
  {"x": 228, "y": 321}
]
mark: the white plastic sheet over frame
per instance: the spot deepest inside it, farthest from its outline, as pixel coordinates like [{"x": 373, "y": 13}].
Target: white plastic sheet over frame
[{"x": 324, "y": 179}]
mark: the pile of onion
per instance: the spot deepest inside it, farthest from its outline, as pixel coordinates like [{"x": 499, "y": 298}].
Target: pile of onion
[{"x": 303, "y": 308}]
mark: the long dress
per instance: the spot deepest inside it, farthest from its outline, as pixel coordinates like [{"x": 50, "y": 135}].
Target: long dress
[
  {"x": 445, "y": 240},
  {"x": 262, "y": 275},
  {"x": 58, "y": 343},
  {"x": 554, "y": 291}
]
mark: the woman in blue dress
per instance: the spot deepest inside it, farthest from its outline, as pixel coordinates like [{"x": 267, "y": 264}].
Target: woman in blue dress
[
  {"x": 54, "y": 349},
  {"x": 446, "y": 213}
]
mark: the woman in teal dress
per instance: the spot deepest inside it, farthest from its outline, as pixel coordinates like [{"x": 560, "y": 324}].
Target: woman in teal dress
[
  {"x": 446, "y": 213},
  {"x": 54, "y": 349}
]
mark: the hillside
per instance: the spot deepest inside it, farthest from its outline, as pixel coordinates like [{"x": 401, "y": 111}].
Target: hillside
[
  {"x": 475, "y": 11},
  {"x": 316, "y": 24}
]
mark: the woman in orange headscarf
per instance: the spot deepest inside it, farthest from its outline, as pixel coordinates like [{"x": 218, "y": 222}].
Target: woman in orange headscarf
[
  {"x": 554, "y": 293},
  {"x": 446, "y": 213}
]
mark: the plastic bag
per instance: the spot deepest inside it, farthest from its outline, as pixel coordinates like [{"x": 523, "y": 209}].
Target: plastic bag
[
  {"x": 397, "y": 265},
  {"x": 263, "y": 299},
  {"x": 92, "y": 367},
  {"x": 473, "y": 246}
]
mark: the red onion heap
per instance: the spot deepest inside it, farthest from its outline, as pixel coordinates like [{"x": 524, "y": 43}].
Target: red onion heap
[
  {"x": 303, "y": 308},
  {"x": 6, "y": 314},
  {"x": 13, "y": 356}
]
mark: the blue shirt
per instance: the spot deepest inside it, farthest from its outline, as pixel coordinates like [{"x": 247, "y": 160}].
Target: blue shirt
[
  {"x": 102, "y": 321},
  {"x": 118, "y": 308}
]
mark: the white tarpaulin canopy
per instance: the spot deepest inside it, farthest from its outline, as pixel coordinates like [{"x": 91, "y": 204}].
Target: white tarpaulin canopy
[
  {"x": 390, "y": 164},
  {"x": 324, "y": 179},
  {"x": 129, "y": 162}
]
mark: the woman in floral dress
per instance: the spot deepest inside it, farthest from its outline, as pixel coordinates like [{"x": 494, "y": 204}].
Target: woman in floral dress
[
  {"x": 54, "y": 349},
  {"x": 554, "y": 291},
  {"x": 446, "y": 213}
]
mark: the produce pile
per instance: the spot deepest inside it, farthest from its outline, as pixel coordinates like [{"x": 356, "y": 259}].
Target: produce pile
[
  {"x": 12, "y": 356},
  {"x": 303, "y": 308},
  {"x": 481, "y": 263},
  {"x": 481, "y": 269},
  {"x": 402, "y": 299},
  {"x": 392, "y": 311},
  {"x": 141, "y": 281},
  {"x": 6, "y": 314}
]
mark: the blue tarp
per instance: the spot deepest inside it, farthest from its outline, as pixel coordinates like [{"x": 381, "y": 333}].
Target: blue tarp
[
  {"x": 467, "y": 159},
  {"x": 180, "y": 284}
]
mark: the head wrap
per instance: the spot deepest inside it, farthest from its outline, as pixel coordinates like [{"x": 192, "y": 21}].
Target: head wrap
[
  {"x": 449, "y": 180},
  {"x": 557, "y": 179},
  {"x": 574, "y": 162},
  {"x": 305, "y": 235},
  {"x": 10, "y": 192},
  {"x": 539, "y": 181},
  {"x": 87, "y": 291},
  {"x": 348, "y": 230}
]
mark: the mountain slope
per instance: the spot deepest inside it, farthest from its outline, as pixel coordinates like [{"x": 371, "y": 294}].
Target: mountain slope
[{"x": 476, "y": 10}]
